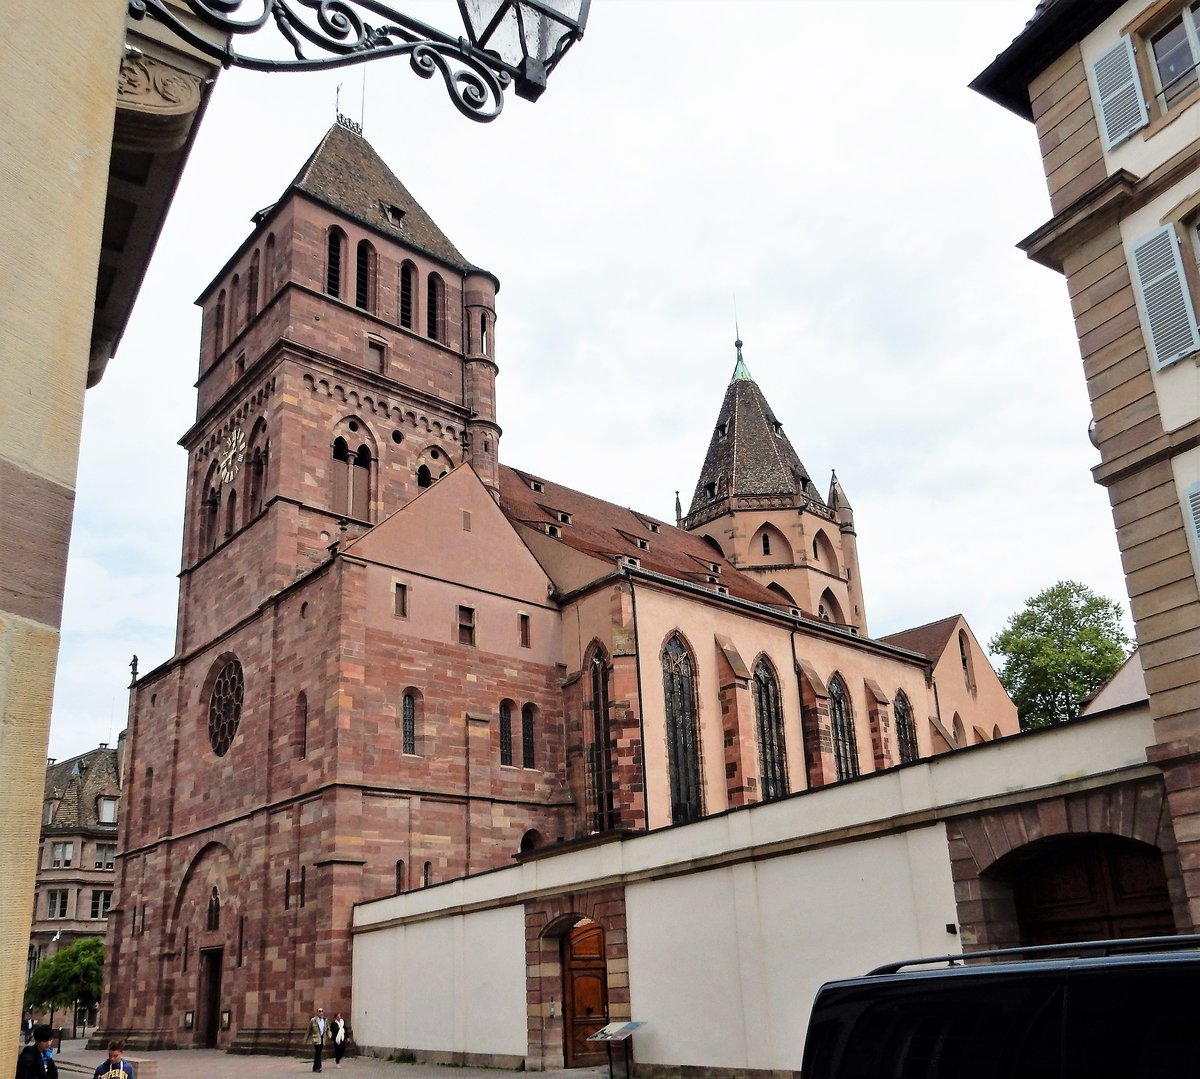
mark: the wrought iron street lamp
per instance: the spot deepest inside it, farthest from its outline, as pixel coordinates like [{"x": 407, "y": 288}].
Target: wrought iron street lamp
[{"x": 507, "y": 42}]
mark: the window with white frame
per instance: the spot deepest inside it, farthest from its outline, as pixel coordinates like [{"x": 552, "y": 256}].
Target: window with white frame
[
  {"x": 101, "y": 902},
  {"x": 106, "y": 855},
  {"x": 1149, "y": 73}
]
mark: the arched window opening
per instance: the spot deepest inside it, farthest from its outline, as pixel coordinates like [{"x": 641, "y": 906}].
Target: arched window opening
[
  {"x": 360, "y": 485},
  {"x": 483, "y": 334},
  {"x": 252, "y": 287},
  {"x": 766, "y": 542},
  {"x": 364, "y": 279},
  {"x": 528, "y": 757},
  {"x": 683, "y": 736},
  {"x": 772, "y": 753},
  {"x": 424, "y": 477},
  {"x": 830, "y": 609},
  {"x": 334, "y": 249},
  {"x": 210, "y": 514},
  {"x": 599, "y": 760},
  {"x": 230, "y": 514},
  {"x": 434, "y": 315},
  {"x": 996, "y": 732},
  {"x": 411, "y": 721},
  {"x": 257, "y": 481},
  {"x": 270, "y": 266},
  {"x": 399, "y": 875},
  {"x": 531, "y": 840},
  {"x": 841, "y": 719},
  {"x": 341, "y": 475},
  {"x": 351, "y": 480},
  {"x": 824, "y": 553},
  {"x": 301, "y": 734},
  {"x": 214, "y": 910},
  {"x": 964, "y": 654},
  {"x": 408, "y": 275},
  {"x": 960, "y": 732},
  {"x": 782, "y": 593},
  {"x": 906, "y": 728},
  {"x": 506, "y": 747},
  {"x": 235, "y": 295},
  {"x": 219, "y": 325},
  {"x": 426, "y": 874}
]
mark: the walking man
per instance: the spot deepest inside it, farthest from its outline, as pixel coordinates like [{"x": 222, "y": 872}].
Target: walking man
[{"x": 318, "y": 1031}]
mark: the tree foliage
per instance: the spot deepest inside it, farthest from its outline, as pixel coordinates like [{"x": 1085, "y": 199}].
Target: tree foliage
[
  {"x": 75, "y": 973},
  {"x": 1065, "y": 643}
]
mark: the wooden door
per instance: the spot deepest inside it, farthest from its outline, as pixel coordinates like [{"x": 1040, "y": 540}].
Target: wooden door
[
  {"x": 1092, "y": 888},
  {"x": 585, "y": 994}
]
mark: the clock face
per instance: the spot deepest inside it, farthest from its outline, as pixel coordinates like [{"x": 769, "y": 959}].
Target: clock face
[{"x": 230, "y": 460}]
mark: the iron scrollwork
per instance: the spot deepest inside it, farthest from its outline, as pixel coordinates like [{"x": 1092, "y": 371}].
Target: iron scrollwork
[{"x": 337, "y": 29}]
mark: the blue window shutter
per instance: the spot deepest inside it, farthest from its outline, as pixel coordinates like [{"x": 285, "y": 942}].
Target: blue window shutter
[
  {"x": 1168, "y": 317},
  {"x": 1119, "y": 91}
]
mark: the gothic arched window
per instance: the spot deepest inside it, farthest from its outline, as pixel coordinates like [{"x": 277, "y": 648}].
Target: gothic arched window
[
  {"x": 528, "y": 755},
  {"x": 841, "y": 719},
  {"x": 399, "y": 875},
  {"x": 434, "y": 313},
  {"x": 408, "y": 285},
  {"x": 683, "y": 735},
  {"x": 906, "y": 730},
  {"x": 410, "y": 720},
  {"x": 484, "y": 327},
  {"x": 214, "y": 910},
  {"x": 364, "y": 278},
  {"x": 256, "y": 479},
  {"x": 599, "y": 760},
  {"x": 335, "y": 250},
  {"x": 506, "y": 756},
  {"x": 772, "y": 753},
  {"x": 424, "y": 477}
]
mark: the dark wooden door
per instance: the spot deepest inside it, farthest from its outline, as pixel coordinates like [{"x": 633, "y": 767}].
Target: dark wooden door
[
  {"x": 1092, "y": 888},
  {"x": 585, "y": 994},
  {"x": 209, "y": 1024}
]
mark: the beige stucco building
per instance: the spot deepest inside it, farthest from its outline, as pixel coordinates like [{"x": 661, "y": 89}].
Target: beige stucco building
[
  {"x": 1113, "y": 91},
  {"x": 92, "y": 167}
]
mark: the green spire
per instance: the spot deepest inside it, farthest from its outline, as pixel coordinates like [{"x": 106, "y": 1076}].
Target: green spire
[{"x": 740, "y": 370}]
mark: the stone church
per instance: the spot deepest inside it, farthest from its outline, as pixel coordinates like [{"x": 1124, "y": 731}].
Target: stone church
[{"x": 400, "y": 662}]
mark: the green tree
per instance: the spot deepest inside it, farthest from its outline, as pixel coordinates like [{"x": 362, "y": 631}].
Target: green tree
[
  {"x": 1065, "y": 643},
  {"x": 73, "y": 974}
]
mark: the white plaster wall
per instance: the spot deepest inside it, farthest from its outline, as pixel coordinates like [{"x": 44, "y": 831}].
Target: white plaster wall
[
  {"x": 724, "y": 960},
  {"x": 724, "y": 965},
  {"x": 453, "y": 984}
]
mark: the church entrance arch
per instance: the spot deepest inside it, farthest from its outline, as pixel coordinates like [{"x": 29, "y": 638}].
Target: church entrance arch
[
  {"x": 585, "y": 993},
  {"x": 1090, "y": 887},
  {"x": 576, "y": 958}
]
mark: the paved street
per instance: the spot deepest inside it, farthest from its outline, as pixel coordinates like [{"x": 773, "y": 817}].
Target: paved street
[{"x": 74, "y": 1059}]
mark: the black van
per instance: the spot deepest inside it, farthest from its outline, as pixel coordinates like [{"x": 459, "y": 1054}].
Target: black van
[{"x": 1118, "y": 1009}]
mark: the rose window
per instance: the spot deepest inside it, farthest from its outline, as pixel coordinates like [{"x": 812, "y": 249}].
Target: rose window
[{"x": 225, "y": 707}]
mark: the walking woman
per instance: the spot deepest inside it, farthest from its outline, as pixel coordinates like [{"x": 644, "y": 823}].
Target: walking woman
[{"x": 337, "y": 1031}]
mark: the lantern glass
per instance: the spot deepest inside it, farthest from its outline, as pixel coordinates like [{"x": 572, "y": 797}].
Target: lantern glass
[{"x": 520, "y": 30}]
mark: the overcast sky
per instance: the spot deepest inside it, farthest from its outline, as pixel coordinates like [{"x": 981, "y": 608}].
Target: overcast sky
[{"x": 821, "y": 165}]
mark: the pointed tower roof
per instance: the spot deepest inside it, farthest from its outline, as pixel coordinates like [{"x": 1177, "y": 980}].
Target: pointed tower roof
[
  {"x": 837, "y": 497},
  {"x": 749, "y": 454},
  {"x": 346, "y": 173}
]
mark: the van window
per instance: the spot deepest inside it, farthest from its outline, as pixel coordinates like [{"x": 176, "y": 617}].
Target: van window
[
  {"x": 950, "y": 1029},
  {"x": 1136, "y": 1024}
]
